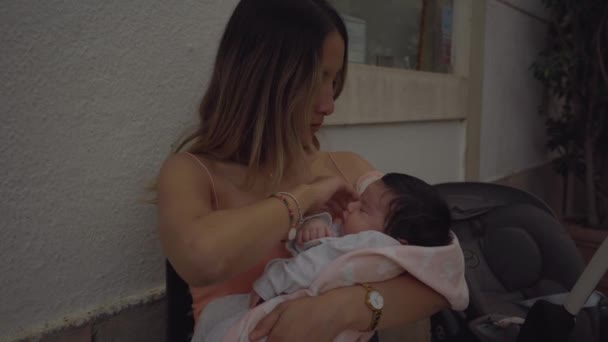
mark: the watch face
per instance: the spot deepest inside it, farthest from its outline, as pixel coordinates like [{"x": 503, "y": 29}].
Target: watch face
[{"x": 376, "y": 300}]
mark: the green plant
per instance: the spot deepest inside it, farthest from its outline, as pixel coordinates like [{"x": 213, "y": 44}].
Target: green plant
[{"x": 573, "y": 67}]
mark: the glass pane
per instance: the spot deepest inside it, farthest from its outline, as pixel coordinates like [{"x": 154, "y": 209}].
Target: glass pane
[{"x": 407, "y": 34}]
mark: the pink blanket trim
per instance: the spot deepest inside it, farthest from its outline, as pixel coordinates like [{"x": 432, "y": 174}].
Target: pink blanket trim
[{"x": 440, "y": 268}]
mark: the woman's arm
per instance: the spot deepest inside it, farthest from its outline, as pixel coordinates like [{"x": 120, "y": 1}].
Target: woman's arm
[
  {"x": 206, "y": 246},
  {"x": 406, "y": 300},
  {"x": 322, "y": 318}
]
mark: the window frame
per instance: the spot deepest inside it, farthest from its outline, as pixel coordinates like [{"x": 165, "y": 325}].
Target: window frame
[{"x": 374, "y": 95}]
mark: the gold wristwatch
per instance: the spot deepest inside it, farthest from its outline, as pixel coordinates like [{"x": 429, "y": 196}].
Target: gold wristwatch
[{"x": 375, "y": 302}]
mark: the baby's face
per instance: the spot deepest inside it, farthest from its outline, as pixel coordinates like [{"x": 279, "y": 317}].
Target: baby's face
[{"x": 369, "y": 212}]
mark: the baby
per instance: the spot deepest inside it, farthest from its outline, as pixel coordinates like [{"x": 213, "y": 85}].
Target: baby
[
  {"x": 395, "y": 209},
  {"x": 401, "y": 206}
]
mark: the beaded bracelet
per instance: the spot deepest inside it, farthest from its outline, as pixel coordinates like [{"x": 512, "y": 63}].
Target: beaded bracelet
[
  {"x": 295, "y": 200},
  {"x": 292, "y": 223}
]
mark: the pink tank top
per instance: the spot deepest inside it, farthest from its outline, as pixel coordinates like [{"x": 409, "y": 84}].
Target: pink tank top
[
  {"x": 239, "y": 284},
  {"x": 242, "y": 283}
]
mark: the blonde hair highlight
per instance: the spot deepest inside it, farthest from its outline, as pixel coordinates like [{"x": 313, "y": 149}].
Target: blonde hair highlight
[{"x": 256, "y": 109}]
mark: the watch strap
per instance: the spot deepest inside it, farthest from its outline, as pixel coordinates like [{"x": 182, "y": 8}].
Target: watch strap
[{"x": 376, "y": 314}]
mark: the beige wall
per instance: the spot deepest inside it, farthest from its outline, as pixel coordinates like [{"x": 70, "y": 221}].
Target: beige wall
[{"x": 512, "y": 133}]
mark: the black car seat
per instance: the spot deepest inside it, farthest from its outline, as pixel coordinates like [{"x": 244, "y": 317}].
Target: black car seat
[{"x": 515, "y": 250}]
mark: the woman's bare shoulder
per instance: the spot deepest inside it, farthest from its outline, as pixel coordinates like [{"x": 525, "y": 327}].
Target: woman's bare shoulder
[
  {"x": 351, "y": 164},
  {"x": 177, "y": 165},
  {"x": 182, "y": 172}
]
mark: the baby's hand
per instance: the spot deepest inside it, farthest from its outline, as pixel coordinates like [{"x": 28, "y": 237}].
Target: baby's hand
[
  {"x": 311, "y": 230},
  {"x": 254, "y": 299}
]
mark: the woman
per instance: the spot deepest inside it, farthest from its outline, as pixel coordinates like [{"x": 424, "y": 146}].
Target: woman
[{"x": 279, "y": 68}]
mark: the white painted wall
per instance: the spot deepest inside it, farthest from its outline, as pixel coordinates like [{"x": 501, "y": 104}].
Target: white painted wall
[
  {"x": 433, "y": 151},
  {"x": 93, "y": 95},
  {"x": 512, "y": 133}
]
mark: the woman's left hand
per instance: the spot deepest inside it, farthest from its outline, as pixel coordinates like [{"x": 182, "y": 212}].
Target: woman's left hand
[{"x": 304, "y": 319}]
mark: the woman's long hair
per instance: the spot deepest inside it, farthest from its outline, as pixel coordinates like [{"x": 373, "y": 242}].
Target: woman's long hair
[{"x": 256, "y": 109}]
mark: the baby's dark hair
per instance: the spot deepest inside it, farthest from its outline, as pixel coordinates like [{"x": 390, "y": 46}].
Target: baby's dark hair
[{"x": 417, "y": 213}]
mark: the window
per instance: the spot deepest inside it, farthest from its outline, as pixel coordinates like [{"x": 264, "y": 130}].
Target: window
[
  {"x": 391, "y": 42},
  {"x": 405, "y": 34}
]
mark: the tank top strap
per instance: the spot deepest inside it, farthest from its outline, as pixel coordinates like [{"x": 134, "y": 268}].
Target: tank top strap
[
  {"x": 200, "y": 162},
  {"x": 333, "y": 160}
]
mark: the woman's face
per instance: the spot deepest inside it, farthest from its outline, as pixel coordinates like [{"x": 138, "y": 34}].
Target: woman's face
[{"x": 332, "y": 60}]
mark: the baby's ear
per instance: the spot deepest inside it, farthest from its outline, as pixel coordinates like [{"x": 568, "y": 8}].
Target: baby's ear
[{"x": 403, "y": 241}]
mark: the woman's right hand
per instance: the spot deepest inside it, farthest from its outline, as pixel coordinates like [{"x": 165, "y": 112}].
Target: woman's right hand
[{"x": 332, "y": 194}]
